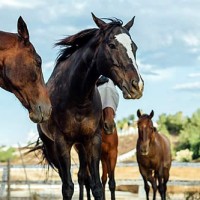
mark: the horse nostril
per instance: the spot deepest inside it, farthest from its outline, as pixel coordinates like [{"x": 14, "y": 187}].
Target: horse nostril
[
  {"x": 135, "y": 84},
  {"x": 106, "y": 126}
]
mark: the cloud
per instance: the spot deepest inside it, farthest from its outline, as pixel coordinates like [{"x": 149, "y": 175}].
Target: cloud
[
  {"x": 191, "y": 40},
  {"x": 154, "y": 73},
  {"x": 194, "y": 75},
  {"x": 188, "y": 86},
  {"x": 20, "y": 4},
  {"x": 48, "y": 65}
]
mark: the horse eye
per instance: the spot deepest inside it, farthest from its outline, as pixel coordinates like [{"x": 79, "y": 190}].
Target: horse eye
[{"x": 112, "y": 46}]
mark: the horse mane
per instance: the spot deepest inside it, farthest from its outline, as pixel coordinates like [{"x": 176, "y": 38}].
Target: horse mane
[{"x": 74, "y": 42}]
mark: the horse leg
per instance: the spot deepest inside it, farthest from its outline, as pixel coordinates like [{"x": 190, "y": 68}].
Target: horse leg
[
  {"x": 95, "y": 147},
  {"x": 87, "y": 185},
  {"x": 166, "y": 178},
  {"x": 104, "y": 173},
  {"x": 144, "y": 172},
  {"x": 63, "y": 153},
  {"x": 83, "y": 174},
  {"x": 152, "y": 180},
  {"x": 112, "y": 159},
  {"x": 146, "y": 187}
]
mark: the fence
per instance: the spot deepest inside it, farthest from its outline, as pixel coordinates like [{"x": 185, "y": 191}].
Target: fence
[{"x": 28, "y": 180}]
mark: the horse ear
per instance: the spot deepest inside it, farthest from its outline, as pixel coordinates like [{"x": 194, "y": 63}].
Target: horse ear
[
  {"x": 151, "y": 114},
  {"x": 100, "y": 23},
  {"x": 130, "y": 24},
  {"x": 139, "y": 113},
  {"x": 22, "y": 29}
]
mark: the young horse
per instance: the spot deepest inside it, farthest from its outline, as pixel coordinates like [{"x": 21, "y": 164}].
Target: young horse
[
  {"x": 77, "y": 111},
  {"x": 109, "y": 99},
  {"x": 21, "y": 73},
  {"x": 153, "y": 156}
]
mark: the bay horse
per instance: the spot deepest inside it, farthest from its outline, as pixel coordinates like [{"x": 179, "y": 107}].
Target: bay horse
[
  {"x": 21, "y": 73},
  {"x": 153, "y": 156},
  {"x": 77, "y": 111}
]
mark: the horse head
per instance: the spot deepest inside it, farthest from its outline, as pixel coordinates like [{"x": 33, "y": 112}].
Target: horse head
[
  {"x": 146, "y": 131},
  {"x": 109, "y": 125},
  {"x": 116, "y": 57},
  {"x": 22, "y": 73}
]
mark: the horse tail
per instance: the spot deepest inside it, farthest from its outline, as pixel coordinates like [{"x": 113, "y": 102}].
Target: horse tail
[{"x": 41, "y": 152}]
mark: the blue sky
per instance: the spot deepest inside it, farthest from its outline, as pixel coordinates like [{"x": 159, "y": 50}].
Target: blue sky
[{"x": 166, "y": 32}]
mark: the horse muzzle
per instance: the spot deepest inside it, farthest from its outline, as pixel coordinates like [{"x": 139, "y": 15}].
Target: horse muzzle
[
  {"x": 40, "y": 113},
  {"x": 109, "y": 128}
]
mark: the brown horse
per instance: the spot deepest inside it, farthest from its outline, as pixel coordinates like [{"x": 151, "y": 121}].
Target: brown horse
[
  {"x": 110, "y": 100},
  {"x": 153, "y": 156},
  {"x": 21, "y": 73},
  {"x": 77, "y": 112},
  {"x": 109, "y": 150}
]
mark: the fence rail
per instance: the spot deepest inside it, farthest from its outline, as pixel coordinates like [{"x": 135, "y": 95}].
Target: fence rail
[{"x": 7, "y": 183}]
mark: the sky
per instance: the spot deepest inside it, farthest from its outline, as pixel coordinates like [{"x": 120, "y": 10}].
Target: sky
[{"x": 166, "y": 32}]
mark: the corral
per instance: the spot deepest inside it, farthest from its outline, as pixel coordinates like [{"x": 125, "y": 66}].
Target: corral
[{"x": 33, "y": 182}]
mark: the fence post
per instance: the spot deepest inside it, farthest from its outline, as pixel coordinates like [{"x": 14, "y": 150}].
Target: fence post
[{"x": 8, "y": 179}]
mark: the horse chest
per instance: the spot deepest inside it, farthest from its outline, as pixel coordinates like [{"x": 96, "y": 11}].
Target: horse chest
[{"x": 78, "y": 125}]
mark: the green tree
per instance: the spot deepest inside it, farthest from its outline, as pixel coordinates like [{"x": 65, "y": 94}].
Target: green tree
[
  {"x": 190, "y": 135},
  {"x": 6, "y": 153},
  {"x": 173, "y": 124}
]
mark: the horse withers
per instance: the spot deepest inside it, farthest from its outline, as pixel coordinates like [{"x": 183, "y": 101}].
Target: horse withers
[
  {"x": 153, "y": 156},
  {"x": 77, "y": 111},
  {"x": 21, "y": 73}
]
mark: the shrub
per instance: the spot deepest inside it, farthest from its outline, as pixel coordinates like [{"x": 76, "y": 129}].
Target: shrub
[{"x": 184, "y": 155}]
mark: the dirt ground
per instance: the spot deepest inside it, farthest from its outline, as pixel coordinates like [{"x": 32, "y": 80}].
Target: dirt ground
[{"x": 121, "y": 172}]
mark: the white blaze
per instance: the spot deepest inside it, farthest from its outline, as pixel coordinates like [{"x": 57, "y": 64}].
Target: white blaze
[{"x": 125, "y": 40}]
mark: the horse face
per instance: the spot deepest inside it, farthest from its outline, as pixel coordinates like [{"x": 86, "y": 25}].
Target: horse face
[
  {"x": 23, "y": 76},
  {"x": 146, "y": 132},
  {"x": 108, "y": 120},
  {"x": 120, "y": 52}
]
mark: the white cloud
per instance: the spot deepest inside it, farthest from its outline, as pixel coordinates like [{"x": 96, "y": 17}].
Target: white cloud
[
  {"x": 194, "y": 75},
  {"x": 188, "y": 86},
  {"x": 191, "y": 40},
  {"x": 20, "y": 4},
  {"x": 48, "y": 65},
  {"x": 153, "y": 73}
]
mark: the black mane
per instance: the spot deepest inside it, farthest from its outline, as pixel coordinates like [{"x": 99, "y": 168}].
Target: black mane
[{"x": 74, "y": 42}]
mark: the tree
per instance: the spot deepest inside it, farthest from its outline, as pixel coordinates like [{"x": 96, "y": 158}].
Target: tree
[
  {"x": 172, "y": 123},
  {"x": 190, "y": 135}
]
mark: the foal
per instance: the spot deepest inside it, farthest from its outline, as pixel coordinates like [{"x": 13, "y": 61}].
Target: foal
[
  {"x": 153, "y": 156},
  {"x": 109, "y": 151},
  {"x": 110, "y": 100}
]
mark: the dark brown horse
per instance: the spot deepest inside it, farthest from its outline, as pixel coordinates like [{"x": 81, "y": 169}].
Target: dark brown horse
[
  {"x": 77, "y": 112},
  {"x": 153, "y": 156},
  {"x": 21, "y": 73}
]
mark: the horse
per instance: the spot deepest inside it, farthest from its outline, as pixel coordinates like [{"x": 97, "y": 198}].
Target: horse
[
  {"x": 153, "y": 156},
  {"x": 21, "y": 73},
  {"x": 109, "y": 151},
  {"x": 110, "y": 99},
  {"x": 77, "y": 111}
]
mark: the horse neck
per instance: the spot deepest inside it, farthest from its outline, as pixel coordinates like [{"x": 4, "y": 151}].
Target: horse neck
[{"x": 81, "y": 76}]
